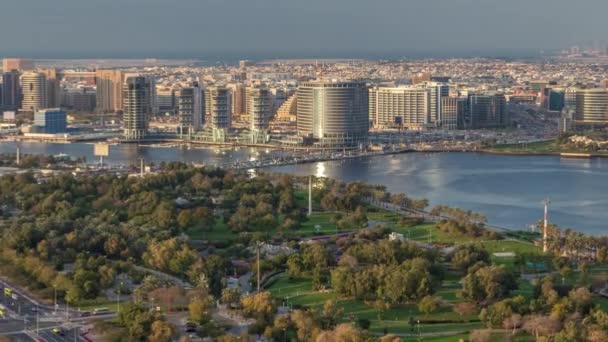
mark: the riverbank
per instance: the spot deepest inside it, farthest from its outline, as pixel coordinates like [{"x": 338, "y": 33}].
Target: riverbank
[{"x": 541, "y": 148}]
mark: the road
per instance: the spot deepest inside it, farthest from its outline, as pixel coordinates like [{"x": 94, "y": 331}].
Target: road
[
  {"x": 165, "y": 276},
  {"x": 25, "y": 316}
]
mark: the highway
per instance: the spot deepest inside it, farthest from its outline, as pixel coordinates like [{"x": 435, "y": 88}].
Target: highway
[{"x": 25, "y": 316}]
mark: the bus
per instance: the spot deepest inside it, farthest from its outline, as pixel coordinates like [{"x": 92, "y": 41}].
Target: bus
[{"x": 100, "y": 311}]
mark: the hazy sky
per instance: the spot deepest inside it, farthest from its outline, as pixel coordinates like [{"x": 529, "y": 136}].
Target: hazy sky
[{"x": 288, "y": 28}]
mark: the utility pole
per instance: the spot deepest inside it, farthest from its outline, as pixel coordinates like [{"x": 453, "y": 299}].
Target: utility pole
[
  {"x": 258, "y": 245},
  {"x": 309, "y": 195},
  {"x": 141, "y": 167},
  {"x": 55, "y": 306},
  {"x": 18, "y": 155},
  {"x": 546, "y": 222}
]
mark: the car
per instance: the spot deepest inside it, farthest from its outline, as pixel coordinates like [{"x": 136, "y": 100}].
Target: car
[
  {"x": 190, "y": 327},
  {"x": 34, "y": 309},
  {"x": 85, "y": 314},
  {"x": 58, "y": 331}
]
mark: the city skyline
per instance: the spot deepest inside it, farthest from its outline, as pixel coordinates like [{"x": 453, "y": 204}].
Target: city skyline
[{"x": 226, "y": 30}]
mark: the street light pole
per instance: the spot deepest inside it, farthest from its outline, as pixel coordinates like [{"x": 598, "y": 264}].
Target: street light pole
[
  {"x": 118, "y": 296},
  {"x": 55, "y": 303}
]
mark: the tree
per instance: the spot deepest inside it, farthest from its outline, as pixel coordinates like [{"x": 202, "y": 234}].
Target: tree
[
  {"x": 381, "y": 307},
  {"x": 185, "y": 218},
  {"x": 488, "y": 283},
  {"x": 199, "y": 309},
  {"x": 260, "y": 304},
  {"x": 429, "y": 304},
  {"x": 467, "y": 255},
  {"x": 306, "y": 325},
  {"x": 295, "y": 266},
  {"x": 513, "y": 322},
  {"x": 538, "y": 326},
  {"x": 161, "y": 331},
  {"x": 331, "y": 314},
  {"x": 481, "y": 335},
  {"x": 231, "y": 296},
  {"x": 465, "y": 309},
  {"x": 342, "y": 333}
]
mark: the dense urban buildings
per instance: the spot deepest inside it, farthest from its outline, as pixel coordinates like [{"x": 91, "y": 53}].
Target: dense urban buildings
[
  {"x": 259, "y": 103},
  {"x": 333, "y": 113},
  {"x": 20, "y": 64}
]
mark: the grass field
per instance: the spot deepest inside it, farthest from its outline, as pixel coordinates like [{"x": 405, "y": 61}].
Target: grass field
[
  {"x": 550, "y": 146},
  {"x": 220, "y": 232},
  {"x": 542, "y": 147},
  {"x": 396, "y": 320}
]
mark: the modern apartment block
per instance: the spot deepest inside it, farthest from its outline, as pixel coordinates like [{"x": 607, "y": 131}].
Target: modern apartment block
[
  {"x": 51, "y": 121},
  {"x": 137, "y": 107},
  {"x": 109, "y": 90},
  {"x": 591, "y": 106},
  {"x": 486, "y": 110},
  {"x": 11, "y": 90},
  {"x": 409, "y": 106},
  {"x": 333, "y": 113},
  {"x": 190, "y": 110},
  {"x": 34, "y": 91},
  {"x": 259, "y": 110}
]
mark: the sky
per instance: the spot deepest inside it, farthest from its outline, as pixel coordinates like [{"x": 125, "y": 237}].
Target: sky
[{"x": 296, "y": 28}]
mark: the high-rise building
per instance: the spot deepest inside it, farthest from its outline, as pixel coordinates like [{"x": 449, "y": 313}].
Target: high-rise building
[
  {"x": 487, "y": 110},
  {"x": 556, "y": 100},
  {"x": 591, "y": 106},
  {"x": 137, "y": 107},
  {"x": 34, "y": 91},
  {"x": 109, "y": 90},
  {"x": 289, "y": 109},
  {"x": 53, "y": 90},
  {"x": 239, "y": 99},
  {"x": 166, "y": 99},
  {"x": 437, "y": 92},
  {"x": 333, "y": 113},
  {"x": 259, "y": 110},
  {"x": 451, "y": 112},
  {"x": 217, "y": 101},
  {"x": 11, "y": 90},
  {"x": 404, "y": 106},
  {"x": 190, "y": 110},
  {"x": 79, "y": 99},
  {"x": 51, "y": 121},
  {"x": 9, "y": 64}
]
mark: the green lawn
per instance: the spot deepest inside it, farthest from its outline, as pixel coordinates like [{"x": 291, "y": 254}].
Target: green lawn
[
  {"x": 396, "y": 320},
  {"x": 550, "y": 146},
  {"x": 543, "y": 147},
  {"x": 515, "y": 246},
  {"x": 220, "y": 232},
  {"x": 427, "y": 232},
  {"x": 320, "y": 219}
]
